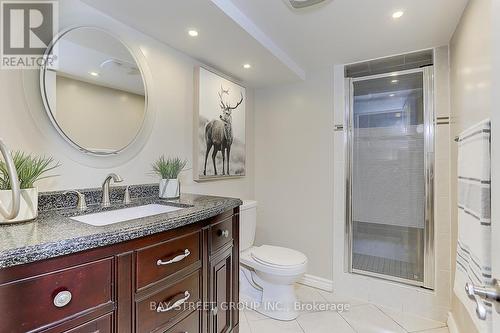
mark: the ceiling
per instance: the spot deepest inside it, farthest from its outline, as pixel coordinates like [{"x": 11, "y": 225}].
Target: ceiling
[
  {"x": 221, "y": 43},
  {"x": 282, "y": 44},
  {"x": 345, "y": 31}
]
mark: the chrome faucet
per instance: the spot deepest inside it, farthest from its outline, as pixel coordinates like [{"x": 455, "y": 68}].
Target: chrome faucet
[{"x": 105, "y": 188}]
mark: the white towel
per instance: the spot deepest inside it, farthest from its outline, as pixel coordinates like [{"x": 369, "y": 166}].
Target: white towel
[{"x": 474, "y": 212}]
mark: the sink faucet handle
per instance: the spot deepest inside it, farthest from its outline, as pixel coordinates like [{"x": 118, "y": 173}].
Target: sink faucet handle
[
  {"x": 82, "y": 203},
  {"x": 126, "y": 197}
]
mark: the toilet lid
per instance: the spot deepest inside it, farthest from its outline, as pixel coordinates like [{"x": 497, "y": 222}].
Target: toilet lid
[{"x": 278, "y": 256}]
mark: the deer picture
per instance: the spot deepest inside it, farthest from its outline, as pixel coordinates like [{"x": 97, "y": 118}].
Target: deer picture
[{"x": 219, "y": 133}]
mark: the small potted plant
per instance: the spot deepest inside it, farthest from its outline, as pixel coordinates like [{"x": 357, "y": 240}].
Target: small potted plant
[
  {"x": 30, "y": 169},
  {"x": 168, "y": 169}
]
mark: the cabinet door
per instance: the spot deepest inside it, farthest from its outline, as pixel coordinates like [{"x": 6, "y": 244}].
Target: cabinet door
[{"x": 221, "y": 291}]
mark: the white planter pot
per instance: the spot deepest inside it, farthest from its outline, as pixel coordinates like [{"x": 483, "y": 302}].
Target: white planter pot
[
  {"x": 170, "y": 189},
  {"x": 28, "y": 208}
]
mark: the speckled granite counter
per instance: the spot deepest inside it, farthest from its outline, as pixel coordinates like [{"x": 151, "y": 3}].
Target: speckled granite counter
[{"x": 54, "y": 233}]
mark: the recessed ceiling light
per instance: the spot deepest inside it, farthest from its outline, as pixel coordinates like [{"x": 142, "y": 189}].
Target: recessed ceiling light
[
  {"x": 392, "y": 95},
  {"x": 94, "y": 73},
  {"x": 193, "y": 33},
  {"x": 394, "y": 81},
  {"x": 397, "y": 14},
  {"x": 247, "y": 66}
]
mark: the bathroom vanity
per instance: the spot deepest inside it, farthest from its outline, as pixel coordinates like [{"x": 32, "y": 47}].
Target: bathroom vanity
[
  {"x": 108, "y": 263},
  {"x": 173, "y": 272}
]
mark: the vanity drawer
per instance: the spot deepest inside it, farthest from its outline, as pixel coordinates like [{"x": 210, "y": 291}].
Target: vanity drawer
[
  {"x": 153, "y": 312},
  {"x": 221, "y": 233},
  {"x": 191, "y": 324},
  {"x": 159, "y": 261},
  {"x": 35, "y": 302},
  {"x": 99, "y": 325}
]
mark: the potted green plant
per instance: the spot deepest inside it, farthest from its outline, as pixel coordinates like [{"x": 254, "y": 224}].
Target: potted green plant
[
  {"x": 30, "y": 169},
  {"x": 168, "y": 169}
]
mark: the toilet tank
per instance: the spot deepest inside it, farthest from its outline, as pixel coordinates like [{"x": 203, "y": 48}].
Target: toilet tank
[{"x": 248, "y": 223}]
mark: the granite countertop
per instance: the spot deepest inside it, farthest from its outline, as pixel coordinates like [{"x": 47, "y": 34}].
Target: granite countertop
[{"x": 55, "y": 234}]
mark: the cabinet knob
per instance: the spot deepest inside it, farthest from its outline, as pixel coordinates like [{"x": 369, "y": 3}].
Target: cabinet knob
[
  {"x": 62, "y": 298},
  {"x": 224, "y": 233}
]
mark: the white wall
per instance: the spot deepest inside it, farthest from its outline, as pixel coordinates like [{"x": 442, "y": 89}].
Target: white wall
[
  {"x": 471, "y": 92},
  {"x": 171, "y": 99},
  {"x": 294, "y": 169}
]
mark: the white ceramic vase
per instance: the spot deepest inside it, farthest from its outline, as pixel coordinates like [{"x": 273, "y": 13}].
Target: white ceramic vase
[
  {"x": 170, "y": 189},
  {"x": 28, "y": 208}
]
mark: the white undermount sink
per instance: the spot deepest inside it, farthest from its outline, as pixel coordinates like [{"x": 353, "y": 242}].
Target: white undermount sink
[{"x": 125, "y": 214}]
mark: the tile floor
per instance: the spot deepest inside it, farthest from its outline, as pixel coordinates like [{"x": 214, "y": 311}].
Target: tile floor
[{"x": 362, "y": 317}]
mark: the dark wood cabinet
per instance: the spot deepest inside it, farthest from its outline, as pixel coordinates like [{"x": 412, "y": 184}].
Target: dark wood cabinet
[
  {"x": 224, "y": 271},
  {"x": 99, "y": 325},
  {"x": 187, "y": 325},
  {"x": 182, "y": 280},
  {"x": 164, "y": 306},
  {"x": 221, "y": 291},
  {"x": 221, "y": 234},
  {"x": 38, "y": 301},
  {"x": 159, "y": 261}
]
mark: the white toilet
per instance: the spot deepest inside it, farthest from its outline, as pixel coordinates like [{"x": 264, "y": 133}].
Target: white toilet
[{"x": 267, "y": 273}]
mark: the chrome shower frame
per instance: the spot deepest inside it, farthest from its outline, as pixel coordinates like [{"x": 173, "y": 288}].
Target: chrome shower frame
[{"x": 429, "y": 158}]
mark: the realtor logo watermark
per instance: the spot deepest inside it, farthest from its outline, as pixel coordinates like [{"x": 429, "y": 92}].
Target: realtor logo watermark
[{"x": 28, "y": 27}]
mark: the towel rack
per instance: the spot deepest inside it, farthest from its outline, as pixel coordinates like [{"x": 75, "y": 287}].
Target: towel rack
[{"x": 14, "y": 181}]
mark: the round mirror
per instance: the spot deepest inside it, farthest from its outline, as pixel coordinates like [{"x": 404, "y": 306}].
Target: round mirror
[{"x": 93, "y": 90}]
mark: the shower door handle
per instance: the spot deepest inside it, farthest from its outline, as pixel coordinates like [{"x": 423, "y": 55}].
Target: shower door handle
[{"x": 480, "y": 294}]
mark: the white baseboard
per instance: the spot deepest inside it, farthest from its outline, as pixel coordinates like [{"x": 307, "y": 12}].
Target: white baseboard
[
  {"x": 452, "y": 325},
  {"x": 317, "y": 282}
]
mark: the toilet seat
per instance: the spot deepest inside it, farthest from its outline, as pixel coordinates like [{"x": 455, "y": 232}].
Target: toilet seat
[
  {"x": 279, "y": 257},
  {"x": 247, "y": 258}
]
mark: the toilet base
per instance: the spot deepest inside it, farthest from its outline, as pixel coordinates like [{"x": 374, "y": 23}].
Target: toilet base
[{"x": 277, "y": 301}]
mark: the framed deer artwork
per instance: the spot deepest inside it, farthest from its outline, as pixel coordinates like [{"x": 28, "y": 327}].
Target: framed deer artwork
[{"x": 219, "y": 127}]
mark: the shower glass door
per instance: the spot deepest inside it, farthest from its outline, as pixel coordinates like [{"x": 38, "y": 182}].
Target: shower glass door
[{"x": 390, "y": 162}]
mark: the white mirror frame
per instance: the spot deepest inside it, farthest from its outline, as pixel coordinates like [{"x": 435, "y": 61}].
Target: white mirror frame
[
  {"x": 43, "y": 92},
  {"x": 32, "y": 90}
]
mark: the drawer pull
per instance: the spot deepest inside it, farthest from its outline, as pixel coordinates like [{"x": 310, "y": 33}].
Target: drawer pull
[
  {"x": 175, "y": 259},
  {"x": 224, "y": 233},
  {"x": 175, "y": 305},
  {"x": 62, "y": 298}
]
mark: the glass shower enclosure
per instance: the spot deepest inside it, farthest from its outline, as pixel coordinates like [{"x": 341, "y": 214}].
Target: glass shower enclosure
[{"x": 389, "y": 162}]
